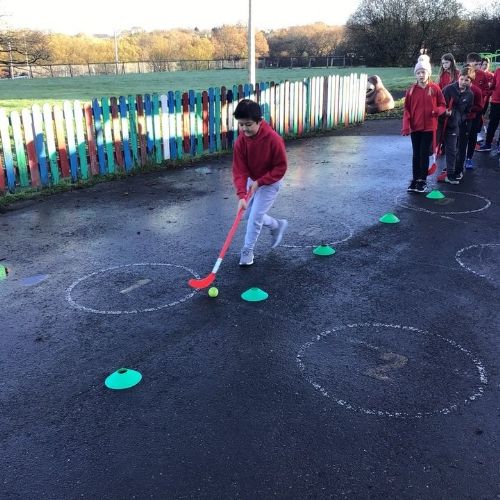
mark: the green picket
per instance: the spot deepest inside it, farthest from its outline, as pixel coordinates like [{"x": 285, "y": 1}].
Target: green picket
[
  {"x": 80, "y": 139},
  {"x": 51, "y": 143},
  {"x": 22, "y": 166},
  {"x": 132, "y": 121},
  {"x": 156, "y": 128}
]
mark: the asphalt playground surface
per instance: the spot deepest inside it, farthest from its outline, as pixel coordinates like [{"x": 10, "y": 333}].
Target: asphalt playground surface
[{"x": 372, "y": 373}]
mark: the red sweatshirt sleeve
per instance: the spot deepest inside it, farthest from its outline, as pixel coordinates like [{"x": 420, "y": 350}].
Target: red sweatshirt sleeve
[{"x": 406, "y": 113}]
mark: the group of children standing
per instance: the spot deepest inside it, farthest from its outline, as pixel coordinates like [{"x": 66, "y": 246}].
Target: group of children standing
[{"x": 447, "y": 116}]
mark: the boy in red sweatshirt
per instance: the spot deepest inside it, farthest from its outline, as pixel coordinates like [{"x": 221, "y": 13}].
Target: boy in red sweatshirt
[
  {"x": 424, "y": 102},
  {"x": 259, "y": 164}
]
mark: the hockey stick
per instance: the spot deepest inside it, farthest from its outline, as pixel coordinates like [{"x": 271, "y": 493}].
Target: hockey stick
[
  {"x": 437, "y": 149},
  {"x": 210, "y": 278}
]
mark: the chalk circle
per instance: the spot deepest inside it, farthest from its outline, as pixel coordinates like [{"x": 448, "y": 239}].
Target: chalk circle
[
  {"x": 316, "y": 235},
  {"x": 391, "y": 370},
  {"x": 482, "y": 260},
  {"x": 122, "y": 285},
  {"x": 426, "y": 204}
]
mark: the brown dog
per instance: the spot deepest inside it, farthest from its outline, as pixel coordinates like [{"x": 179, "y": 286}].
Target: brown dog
[{"x": 378, "y": 98}]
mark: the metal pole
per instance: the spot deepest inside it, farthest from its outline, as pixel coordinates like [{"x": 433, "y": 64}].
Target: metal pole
[
  {"x": 116, "y": 52},
  {"x": 11, "y": 65},
  {"x": 251, "y": 46}
]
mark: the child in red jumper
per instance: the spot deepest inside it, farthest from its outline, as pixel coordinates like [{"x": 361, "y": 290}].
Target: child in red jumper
[
  {"x": 259, "y": 164},
  {"x": 494, "y": 112},
  {"x": 424, "y": 102},
  {"x": 449, "y": 72}
]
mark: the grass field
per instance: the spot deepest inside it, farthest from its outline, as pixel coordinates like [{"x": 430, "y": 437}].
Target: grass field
[{"x": 18, "y": 94}]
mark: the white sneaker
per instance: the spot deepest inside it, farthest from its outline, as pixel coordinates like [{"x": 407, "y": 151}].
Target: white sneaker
[
  {"x": 246, "y": 258},
  {"x": 278, "y": 233}
]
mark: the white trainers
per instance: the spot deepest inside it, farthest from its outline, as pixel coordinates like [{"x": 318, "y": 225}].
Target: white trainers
[
  {"x": 246, "y": 258},
  {"x": 278, "y": 233}
]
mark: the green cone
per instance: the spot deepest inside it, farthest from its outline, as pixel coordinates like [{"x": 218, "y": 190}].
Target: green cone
[
  {"x": 3, "y": 272},
  {"x": 124, "y": 378},
  {"x": 435, "y": 194},
  {"x": 254, "y": 295},
  {"x": 389, "y": 218},
  {"x": 324, "y": 250}
]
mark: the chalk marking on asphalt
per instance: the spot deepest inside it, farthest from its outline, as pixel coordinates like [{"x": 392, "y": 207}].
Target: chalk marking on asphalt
[
  {"x": 458, "y": 256},
  {"x": 136, "y": 286},
  {"x": 70, "y": 299},
  {"x": 476, "y": 393},
  {"x": 336, "y": 242},
  {"x": 421, "y": 209}
]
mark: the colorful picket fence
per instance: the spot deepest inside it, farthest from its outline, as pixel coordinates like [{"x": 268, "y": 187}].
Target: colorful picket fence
[{"x": 46, "y": 145}]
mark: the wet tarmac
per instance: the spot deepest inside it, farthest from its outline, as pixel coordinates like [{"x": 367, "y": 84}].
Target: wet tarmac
[{"x": 372, "y": 373}]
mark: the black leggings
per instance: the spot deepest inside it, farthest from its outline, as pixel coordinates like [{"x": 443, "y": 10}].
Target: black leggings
[{"x": 421, "y": 143}]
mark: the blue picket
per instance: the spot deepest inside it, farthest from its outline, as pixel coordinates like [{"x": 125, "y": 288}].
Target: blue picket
[
  {"x": 148, "y": 110},
  {"x": 41, "y": 152},
  {"x": 125, "y": 133},
  {"x": 172, "y": 138}
]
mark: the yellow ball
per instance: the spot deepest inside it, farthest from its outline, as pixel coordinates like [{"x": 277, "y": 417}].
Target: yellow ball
[{"x": 213, "y": 292}]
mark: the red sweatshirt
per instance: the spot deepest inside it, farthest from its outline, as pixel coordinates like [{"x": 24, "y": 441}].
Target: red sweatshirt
[
  {"x": 445, "y": 78},
  {"x": 477, "y": 105},
  {"x": 261, "y": 157},
  {"x": 482, "y": 81},
  {"x": 422, "y": 107},
  {"x": 495, "y": 87}
]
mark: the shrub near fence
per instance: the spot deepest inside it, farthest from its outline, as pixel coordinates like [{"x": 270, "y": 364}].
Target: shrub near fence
[{"x": 43, "y": 146}]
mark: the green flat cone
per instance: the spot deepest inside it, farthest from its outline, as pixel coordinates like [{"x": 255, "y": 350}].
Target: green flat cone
[
  {"x": 124, "y": 378},
  {"x": 254, "y": 295},
  {"x": 3, "y": 272},
  {"x": 389, "y": 219},
  {"x": 435, "y": 194},
  {"x": 324, "y": 250}
]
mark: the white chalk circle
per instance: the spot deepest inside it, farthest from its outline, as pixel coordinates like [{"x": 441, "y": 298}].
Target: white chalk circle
[
  {"x": 391, "y": 370},
  {"x": 316, "y": 234},
  {"x": 482, "y": 260},
  {"x": 446, "y": 202},
  {"x": 131, "y": 288}
]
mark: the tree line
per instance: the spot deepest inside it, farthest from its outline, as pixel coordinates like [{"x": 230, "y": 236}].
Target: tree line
[{"x": 381, "y": 33}]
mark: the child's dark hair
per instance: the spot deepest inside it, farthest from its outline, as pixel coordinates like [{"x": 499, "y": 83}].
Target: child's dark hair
[
  {"x": 453, "y": 66},
  {"x": 248, "y": 110},
  {"x": 468, "y": 71},
  {"x": 485, "y": 60},
  {"x": 473, "y": 57}
]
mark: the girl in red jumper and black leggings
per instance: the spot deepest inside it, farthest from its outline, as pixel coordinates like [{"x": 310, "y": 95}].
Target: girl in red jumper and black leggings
[{"x": 424, "y": 102}]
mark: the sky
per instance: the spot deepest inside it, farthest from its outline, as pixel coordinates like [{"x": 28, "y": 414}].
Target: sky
[{"x": 106, "y": 16}]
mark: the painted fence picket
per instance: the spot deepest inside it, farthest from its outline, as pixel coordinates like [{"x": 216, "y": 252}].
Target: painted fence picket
[
  {"x": 217, "y": 118},
  {"x": 70, "y": 135},
  {"x": 132, "y": 124},
  {"x": 51, "y": 144},
  {"x": 80, "y": 140},
  {"x": 91, "y": 142},
  {"x": 108, "y": 134},
  {"x": 148, "y": 110},
  {"x": 99, "y": 131},
  {"x": 30, "y": 147},
  {"x": 7, "y": 152},
  {"x": 41, "y": 153},
  {"x": 211, "y": 120},
  {"x": 122, "y": 104},
  {"x": 17, "y": 133},
  {"x": 171, "y": 125},
  {"x": 115, "y": 125},
  {"x": 165, "y": 126},
  {"x": 178, "y": 123},
  {"x": 223, "y": 117},
  {"x": 157, "y": 128},
  {"x": 192, "y": 122},
  {"x": 186, "y": 129},
  {"x": 199, "y": 123},
  {"x": 141, "y": 129}
]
